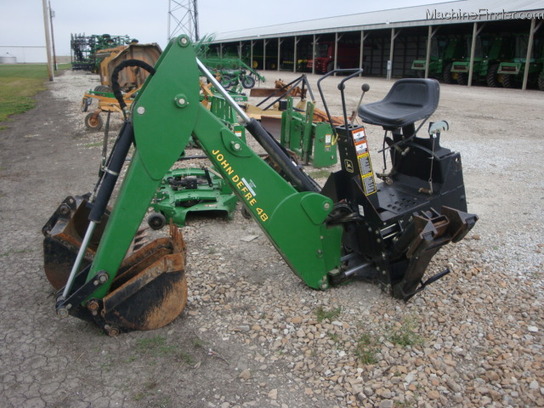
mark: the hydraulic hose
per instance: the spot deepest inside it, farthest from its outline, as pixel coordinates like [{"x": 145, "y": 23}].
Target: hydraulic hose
[
  {"x": 116, "y": 88},
  {"x": 111, "y": 172},
  {"x": 293, "y": 173}
]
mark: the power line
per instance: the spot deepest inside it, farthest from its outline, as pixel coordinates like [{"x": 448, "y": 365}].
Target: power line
[{"x": 183, "y": 18}]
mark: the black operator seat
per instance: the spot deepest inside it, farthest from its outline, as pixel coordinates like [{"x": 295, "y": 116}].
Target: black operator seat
[{"x": 408, "y": 101}]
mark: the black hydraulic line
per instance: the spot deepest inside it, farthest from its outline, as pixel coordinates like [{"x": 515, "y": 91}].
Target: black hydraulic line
[
  {"x": 301, "y": 180},
  {"x": 111, "y": 172},
  {"x": 116, "y": 88}
]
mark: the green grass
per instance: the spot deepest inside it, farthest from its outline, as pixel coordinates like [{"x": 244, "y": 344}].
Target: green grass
[
  {"x": 154, "y": 346},
  {"x": 18, "y": 86},
  {"x": 406, "y": 335},
  {"x": 157, "y": 346},
  {"x": 366, "y": 349},
  {"x": 323, "y": 314}
]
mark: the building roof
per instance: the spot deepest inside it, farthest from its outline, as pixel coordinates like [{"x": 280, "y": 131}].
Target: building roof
[{"x": 450, "y": 12}]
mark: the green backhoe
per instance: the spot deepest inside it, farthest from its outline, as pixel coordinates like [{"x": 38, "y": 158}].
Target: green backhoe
[{"x": 351, "y": 228}]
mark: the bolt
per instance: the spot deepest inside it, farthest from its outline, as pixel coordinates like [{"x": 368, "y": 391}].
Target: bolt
[
  {"x": 93, "y": 306},
  {"x": 111, "y": 331},
  {"x": 326, "y": 206},
  {"x": 236, "y": 146},
  {"x": 62, "y": 312},
  {"x": 183, "y": 41},
  {"x": 102, "y": 277},
  {"x": 181, "y": 100},
  {"x": 64, "y": 210},
  {"x": 140, "y": 110}
]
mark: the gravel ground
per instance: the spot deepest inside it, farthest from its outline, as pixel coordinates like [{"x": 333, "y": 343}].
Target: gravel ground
[{"x": 253, "y": 334}]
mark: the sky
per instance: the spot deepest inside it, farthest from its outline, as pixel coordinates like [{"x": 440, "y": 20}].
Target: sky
[{"x": 22, "y": 23}]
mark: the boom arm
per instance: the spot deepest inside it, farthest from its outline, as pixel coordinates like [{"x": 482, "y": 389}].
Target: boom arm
[{"x": 166, "y": 113}]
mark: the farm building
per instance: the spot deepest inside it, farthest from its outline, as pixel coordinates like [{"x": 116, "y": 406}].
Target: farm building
[{"x": 491, "y": 42}]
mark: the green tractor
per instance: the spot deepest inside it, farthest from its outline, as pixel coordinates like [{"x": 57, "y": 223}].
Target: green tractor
[
  {"x": 513, "y": 71},
  {"x": 444, "y": 51},
  {"x": 487, "y": 54},
  {"x": 233, "y": 72}
]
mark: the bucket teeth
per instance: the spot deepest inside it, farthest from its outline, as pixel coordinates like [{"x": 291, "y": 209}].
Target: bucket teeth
[{"x": 140, "y": 239}]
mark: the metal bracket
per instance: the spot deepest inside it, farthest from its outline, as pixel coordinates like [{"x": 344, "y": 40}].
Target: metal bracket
[{"x": 65, "y": 306}]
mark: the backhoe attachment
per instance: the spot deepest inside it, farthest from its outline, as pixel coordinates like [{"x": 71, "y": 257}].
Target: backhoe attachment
[
  {"x": 353, "y": 227},
  {"x": 95, "y": 257}
]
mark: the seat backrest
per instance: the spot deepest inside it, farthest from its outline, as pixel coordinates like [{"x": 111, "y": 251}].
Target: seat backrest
[
  {"x": 408, "y": 100},
  {"x": 423, "y": 93}
]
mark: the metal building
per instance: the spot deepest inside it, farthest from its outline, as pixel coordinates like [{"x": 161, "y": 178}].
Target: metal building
[{"x": 494, "y": 42}]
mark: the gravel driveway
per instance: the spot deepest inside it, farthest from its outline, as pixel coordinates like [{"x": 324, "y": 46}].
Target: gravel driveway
[{"x": 253, "y": 335}]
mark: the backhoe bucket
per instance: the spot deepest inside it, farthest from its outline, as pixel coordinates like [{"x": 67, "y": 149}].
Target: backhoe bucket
[
  {"x": 149, "y": 290},
  {"x": 63, "y": 236}
]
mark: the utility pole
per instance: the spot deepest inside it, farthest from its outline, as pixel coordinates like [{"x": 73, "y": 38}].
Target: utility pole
[
  {"x": 183, "y": 18},
  {"x": 51, "y": 15},
  {"x": 47, "y": 40}
]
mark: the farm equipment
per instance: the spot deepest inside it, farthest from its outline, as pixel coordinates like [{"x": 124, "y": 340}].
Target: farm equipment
[
  {"x": 489, "y": 50},
  {"x": 323, "y": 61},
  {"x": 513, "y": 71},
  {"x": 233, "y": 72},
  {"x": 106, "y": 102},
  {"x": 351, "y": 228},
  {"x": 84, "y": 49},
  {"x": 313, "y": 142},
  {"x": 190, "y": 190},
  {"x": 130, "y": 79},
  {"x": 444, "y": 51},
  {"x": 275, "y": 98}
]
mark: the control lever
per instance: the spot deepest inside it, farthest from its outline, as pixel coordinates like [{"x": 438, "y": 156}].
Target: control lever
[{"x": 365, "y": 88}]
